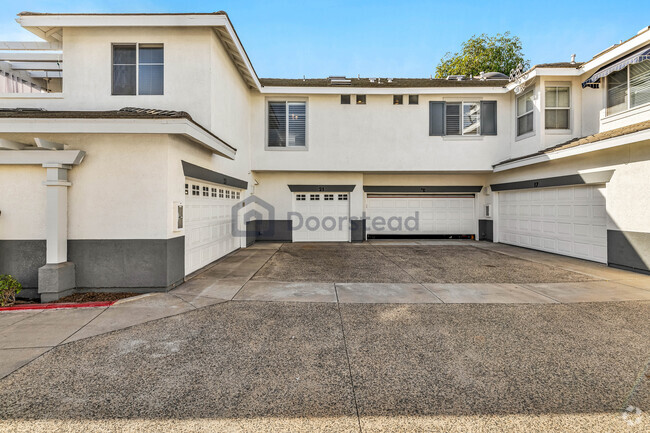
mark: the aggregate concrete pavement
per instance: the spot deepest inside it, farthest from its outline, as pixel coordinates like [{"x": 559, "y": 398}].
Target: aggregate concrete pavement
[
  {"x": 555, "y": 350},
  {"x": 298, "y": 366}
]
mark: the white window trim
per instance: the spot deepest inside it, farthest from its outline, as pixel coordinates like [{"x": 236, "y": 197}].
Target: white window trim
[
  {"x": 266, "y": 124},
  {"x": 137, "y": 67},
  {"x": 462, "y": 135},
  {"x": 517, "y": 116},
  {"x": 556, "y": 131}
]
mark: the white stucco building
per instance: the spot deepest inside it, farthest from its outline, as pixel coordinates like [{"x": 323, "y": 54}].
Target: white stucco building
[{"x": 129, "y": 141}]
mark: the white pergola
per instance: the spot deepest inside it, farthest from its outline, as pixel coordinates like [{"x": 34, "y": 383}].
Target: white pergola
[
  {"x": 57, "y": 163},
  {"x": 32, "y": 60}
]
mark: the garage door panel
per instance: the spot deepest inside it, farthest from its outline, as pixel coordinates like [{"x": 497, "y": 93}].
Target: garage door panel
[
  {"x": 207, "y": 219},
  {"x": 438, "y": 214},
  {"x": 565, "y": 220},
  {"x": 325, "y": 217}
]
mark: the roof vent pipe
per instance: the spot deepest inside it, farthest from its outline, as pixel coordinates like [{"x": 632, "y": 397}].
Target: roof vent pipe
[{"x": 573, "y": 59}]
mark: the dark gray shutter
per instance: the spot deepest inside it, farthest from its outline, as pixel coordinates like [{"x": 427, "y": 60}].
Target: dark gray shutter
[
  {"x": 436, "y": 118},
  {"x": 488, "y": 117}
]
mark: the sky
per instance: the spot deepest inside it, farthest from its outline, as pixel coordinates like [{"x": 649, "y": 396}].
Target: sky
[{"x": 379, "y": 38}]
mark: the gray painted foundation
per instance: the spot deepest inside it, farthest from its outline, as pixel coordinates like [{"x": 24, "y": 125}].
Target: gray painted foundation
[
  {"x": 128, "y": 263},
  {"x": 358, "y": 230},
  {"x": 22, "y": 258},
  {"x": 269, "y": 230},
  {"x": 125, "y": 264},
  {"x": 56, "y": 281},
  {"x": 486, "y": 230},
  {"x": 629, "y": 250}
]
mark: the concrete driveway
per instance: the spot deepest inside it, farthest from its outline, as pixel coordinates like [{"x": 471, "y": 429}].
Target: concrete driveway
[
  {"x": 296, "y": 366},
  {"x": 272, "y": 339}
]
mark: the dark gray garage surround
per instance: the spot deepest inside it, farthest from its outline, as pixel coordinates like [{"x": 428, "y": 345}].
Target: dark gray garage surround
[
  {"x": 629, "y": 250},
  {"x": 128, "y": 263}
]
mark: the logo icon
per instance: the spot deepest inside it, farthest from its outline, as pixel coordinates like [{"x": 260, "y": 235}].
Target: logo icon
[{"x": 254, "y": 209}]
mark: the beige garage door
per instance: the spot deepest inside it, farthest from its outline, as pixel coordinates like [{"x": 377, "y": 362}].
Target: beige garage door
[{"x": 569, "y": 220}]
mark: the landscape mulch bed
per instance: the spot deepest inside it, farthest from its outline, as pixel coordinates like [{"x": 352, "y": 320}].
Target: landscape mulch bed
[{"x": 80, "y": 298}]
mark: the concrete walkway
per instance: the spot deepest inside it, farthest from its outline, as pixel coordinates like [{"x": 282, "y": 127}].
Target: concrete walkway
[{"x": 26, "y": 335}]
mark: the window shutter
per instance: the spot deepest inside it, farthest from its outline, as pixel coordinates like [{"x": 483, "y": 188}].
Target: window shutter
[
  {"x": 488, "y": 117},
  {"x": 436, "y": 118}
]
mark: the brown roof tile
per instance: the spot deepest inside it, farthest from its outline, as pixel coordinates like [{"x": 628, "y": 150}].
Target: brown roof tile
[
  {"x": 123, "y": 113},
  {"x": 382, "y": 83},
  {"x": 575, "y": 142}
]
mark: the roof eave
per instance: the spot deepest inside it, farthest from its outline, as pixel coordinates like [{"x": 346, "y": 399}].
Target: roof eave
[
  {"x": 49, "y": 28},
  {"x": 607, "y": 143},
  {"x": 173, "y": 126},
  {"x": 338, "y": 90},
  {"x": 623, "y": 49}
]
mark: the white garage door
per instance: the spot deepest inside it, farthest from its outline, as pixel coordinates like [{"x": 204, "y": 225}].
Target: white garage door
[
  {"x": 207, "y": 219},
  {"x": 437, "y": 214},
  {"x": 569, "y": 220},
  {"x": 323, "y": 217}
]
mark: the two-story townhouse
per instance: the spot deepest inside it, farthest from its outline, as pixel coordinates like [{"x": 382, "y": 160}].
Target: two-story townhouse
[{"x": 96, "y": 195}]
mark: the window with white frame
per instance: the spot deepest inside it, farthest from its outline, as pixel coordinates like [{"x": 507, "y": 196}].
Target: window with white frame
[
  {"x": 462, "y": 118},
  {"x": 301, "y": 197},
  {"x": 287, "y": 124},
  {"x": 525, "y": 113},
  {"x": 138, "y": 69},
  {"x": 628, "y": 88},
  {"x": 557, "y": 107}
]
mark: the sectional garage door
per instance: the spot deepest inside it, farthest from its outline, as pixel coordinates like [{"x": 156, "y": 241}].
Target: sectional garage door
[
  {"x": 207, "y": 219},
  {"x": 569, "y": 220},
  {"x": 321, "y": 217},
  {"x": 438, "y": 214}
]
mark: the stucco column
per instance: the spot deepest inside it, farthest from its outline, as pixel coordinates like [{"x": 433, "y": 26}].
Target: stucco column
[
  {"x": 57, "y": 212},
  {"x": 57, "y": 278}
]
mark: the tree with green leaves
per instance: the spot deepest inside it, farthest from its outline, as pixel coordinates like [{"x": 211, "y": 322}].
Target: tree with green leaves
[{"x": 500, "y": 53}]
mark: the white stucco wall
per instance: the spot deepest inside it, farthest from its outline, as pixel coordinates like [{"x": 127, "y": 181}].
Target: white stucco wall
[
  {"x": 628, "y": 198},
  {"x": 22, "y": 202},
  {"x": 378, "y": 136}
]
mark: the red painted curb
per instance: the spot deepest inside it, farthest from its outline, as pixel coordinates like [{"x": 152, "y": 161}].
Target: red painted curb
[{"x": 56, "y": 306}]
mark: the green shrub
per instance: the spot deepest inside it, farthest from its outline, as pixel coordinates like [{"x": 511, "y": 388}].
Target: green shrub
[{"x": 9, "y": 288}]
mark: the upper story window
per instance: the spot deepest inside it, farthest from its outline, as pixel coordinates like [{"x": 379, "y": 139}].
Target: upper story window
[
  {"x": 287, "y": 124},
  {"x": 557, "y": 107},
  {"x": 398, "y": 99},
  {"x": 345, "y": 99},
  {"x": 361, "y": 99},
  {"x": 138, "y": 69},
  {"x": 463, "y": 118},
  {"x": 525, "y": 113},
  {"x": 628, "y": 88}
]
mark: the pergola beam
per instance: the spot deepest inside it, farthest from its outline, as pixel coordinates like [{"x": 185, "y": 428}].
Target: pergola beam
[
  {"x": 31, "y": 57},
  {"x": 40, "y": 157},
  {"x": 37, "y": 66},
  {"x": 31, "y": 46},
  {"x": 44, "y": 144},
  {"x": 10, "y": 145}
]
